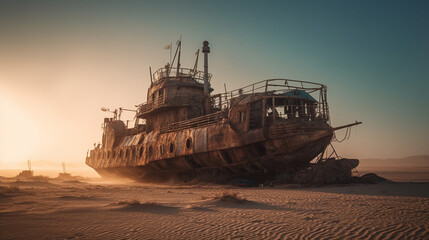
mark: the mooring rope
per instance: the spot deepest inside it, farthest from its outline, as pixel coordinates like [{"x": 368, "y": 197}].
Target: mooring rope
[{"x": 346, "y": 136}]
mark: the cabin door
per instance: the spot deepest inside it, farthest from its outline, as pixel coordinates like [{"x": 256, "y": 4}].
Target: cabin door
[{"x": 255, "y": 114}]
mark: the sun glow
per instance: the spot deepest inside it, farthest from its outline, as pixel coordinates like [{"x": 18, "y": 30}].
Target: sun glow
[{"x": 20, "y": 135}]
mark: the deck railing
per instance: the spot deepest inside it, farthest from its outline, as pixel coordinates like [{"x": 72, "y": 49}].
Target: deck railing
[
  {"x": 283, "y": 111},
  {"x": 274, "y": 87},
  {"x": 183, "y": 72},
  {"x": 149, "y": 106},
  {"x": 179, "y": 100},
  {"x": 202, "y": 121}
]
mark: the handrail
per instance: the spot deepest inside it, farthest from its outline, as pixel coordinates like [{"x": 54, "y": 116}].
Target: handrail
[
  {"x": 148, "y": 106},
  {"x": 264, "y": 84},
  {"x": 183, "y": 72},
  {"x": 181, "y": 99},
  {"x": 274, "y": 87},
  {"x": 269, "y": 87},
  {"x": 202, "y": 121}
]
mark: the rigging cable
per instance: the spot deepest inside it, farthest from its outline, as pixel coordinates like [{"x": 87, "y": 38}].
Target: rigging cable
[{"x": 346, "y": 136}]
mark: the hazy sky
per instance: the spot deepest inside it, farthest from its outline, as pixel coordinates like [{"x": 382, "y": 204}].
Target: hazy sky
[{"x": 61, "y": 61}]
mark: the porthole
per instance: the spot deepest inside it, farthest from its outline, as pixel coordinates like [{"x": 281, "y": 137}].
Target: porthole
[
  {"x": 188, "y": 143},
  {"x": 171, "y": 147},
  {"x": 161, "y": 149},
  {"x": 150, "y": 150},
  {"x": 121, "y": 153},
  {"x": 113, "y": 154},
  {"x": 127, "y": 153},
  {"x": 133, "y": 153},
  {"x": 141, "y": 152}
]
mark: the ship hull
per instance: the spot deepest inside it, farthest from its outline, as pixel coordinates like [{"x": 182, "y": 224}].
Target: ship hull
[{"x": 280, "y": 150}]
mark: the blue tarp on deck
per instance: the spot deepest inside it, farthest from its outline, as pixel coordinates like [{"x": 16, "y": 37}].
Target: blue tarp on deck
[{"x": 300, "y": 94}]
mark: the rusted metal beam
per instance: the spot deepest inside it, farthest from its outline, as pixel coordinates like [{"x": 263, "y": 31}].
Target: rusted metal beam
[{"x": 348, "y": 125}]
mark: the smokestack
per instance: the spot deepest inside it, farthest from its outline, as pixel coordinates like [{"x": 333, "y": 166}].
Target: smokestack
[{"x": 206, "y": 50}]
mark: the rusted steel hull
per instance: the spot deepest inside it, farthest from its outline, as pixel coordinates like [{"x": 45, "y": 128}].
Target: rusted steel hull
[
  {"x": 218, "y": 148},
  {"x": 267, "y": 127}
]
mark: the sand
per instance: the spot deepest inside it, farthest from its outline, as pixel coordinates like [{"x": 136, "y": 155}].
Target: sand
[
  {"x": 127, "y": 210},
  {"x": 399, "y": 174}
]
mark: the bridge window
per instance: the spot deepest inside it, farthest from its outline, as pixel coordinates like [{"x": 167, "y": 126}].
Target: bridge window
[{"x": 291, "y": 108}]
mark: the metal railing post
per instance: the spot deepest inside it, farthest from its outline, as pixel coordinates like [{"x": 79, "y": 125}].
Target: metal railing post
[{"x": 274, "y": 109}]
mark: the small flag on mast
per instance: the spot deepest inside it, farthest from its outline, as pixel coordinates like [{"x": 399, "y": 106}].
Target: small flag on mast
[{"x": 167, "y": 46}]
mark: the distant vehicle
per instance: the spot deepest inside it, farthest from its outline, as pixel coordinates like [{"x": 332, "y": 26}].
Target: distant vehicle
[
  {"x": 262, "y": 129},
  {"x": 65, "y": 175},
  {"x": 26, "y": 174}
]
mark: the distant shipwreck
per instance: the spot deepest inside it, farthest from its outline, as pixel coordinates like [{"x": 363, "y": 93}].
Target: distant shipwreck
[{"x": 261, "y": 130}]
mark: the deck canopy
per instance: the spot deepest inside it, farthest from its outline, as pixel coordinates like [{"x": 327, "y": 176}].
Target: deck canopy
[{"x": 300, "y": 94}]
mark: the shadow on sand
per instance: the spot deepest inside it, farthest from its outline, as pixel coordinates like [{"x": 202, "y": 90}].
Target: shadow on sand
[{"x": 136, "y": 206}]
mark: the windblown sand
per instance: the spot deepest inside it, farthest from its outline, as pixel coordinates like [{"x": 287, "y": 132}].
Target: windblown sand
[{"x": 97, "y": 210}]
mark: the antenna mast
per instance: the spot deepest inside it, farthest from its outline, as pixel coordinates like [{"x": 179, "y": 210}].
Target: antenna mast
[
  {"x": 150, "y": 72},
  {"x": 206, "y": 50},
  {"x": 64, "y": 167},
  {"x": 174, "y": 58},
  {"x": 178, "y": 57},
  {"x": 29, "y": 165},
  {"x": 196, "y": 62}
]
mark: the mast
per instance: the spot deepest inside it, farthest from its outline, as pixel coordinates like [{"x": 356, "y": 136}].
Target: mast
[
  {"x": 178, "y": 58},
  {"x": 171, "y": 48},
  {"x": 179, "y": 43},
  {"x": 206, "y": 50},
  {"x": 196, "y": 62},
  {"x": 150, "y": 72}
]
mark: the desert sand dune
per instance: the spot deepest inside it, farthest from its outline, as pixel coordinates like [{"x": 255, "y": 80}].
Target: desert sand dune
[{"x": 61, "y": 210}]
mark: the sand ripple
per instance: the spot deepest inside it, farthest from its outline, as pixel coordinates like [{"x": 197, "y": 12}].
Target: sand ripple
[{"x": 152, "y": 212}]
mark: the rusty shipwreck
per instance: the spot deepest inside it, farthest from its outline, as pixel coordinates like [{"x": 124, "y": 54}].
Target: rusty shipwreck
[{"x": 262, "y": 129}]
